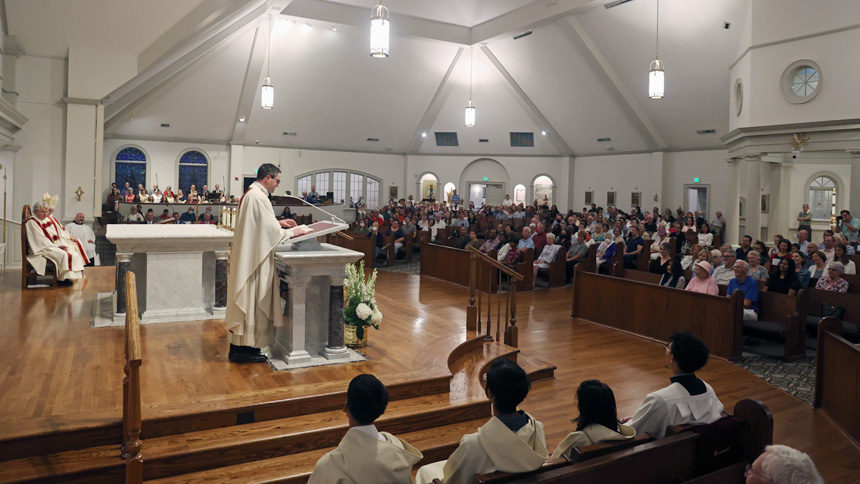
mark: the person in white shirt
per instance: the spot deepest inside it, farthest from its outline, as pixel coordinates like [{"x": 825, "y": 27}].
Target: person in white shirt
[
  {"x": 366, "y": 454},
  {"x": 688, "y": 400},
  {"x": 84, "y": 233},
  {"x": 547, "y": 256},
  {"x": 438, "y": 224},
  {"x": 508, "y": 202},
  {"x": 156, "y": 195},
  {"x": 726, "y": 272},
  {"x": 134, "y": 215}
]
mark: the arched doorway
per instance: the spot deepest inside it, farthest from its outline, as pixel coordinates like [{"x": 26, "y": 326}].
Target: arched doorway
[
  {"x": 428, "y": 187},
  {"x": 543, "y": 188},
  {"x": 447, "y": 191},
  {"x": 520, "y": 194}
]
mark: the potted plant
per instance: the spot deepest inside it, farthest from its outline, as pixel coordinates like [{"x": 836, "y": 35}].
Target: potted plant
[{"x": 360, "y": 309}]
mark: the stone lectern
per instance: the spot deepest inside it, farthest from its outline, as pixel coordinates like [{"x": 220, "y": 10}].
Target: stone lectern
[{"x": 313, "y": 316}]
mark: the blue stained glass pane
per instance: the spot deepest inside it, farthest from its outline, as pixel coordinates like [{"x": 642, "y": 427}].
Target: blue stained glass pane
[
  {"x": 196, "y": 175},
  {"x": 131, "y": 154},
  {"x": 133, "y": 173},
  {"x": 194, "y": 158}
]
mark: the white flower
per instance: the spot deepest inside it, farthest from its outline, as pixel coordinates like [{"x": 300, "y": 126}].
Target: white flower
[
  {"x": 363, "y": 311},
  {"x": 376, "y": 318}
]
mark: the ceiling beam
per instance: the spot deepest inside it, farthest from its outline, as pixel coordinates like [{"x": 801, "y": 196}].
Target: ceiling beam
[
  {"x": 253, "y": 72},
  {"x": 527, "y": 17},
  {"x": 600, "y": 66},
  {"x": 401, "y": 25},
  {"x": 435, "y": 106},
  {"x": 528, "y": 106},
  {"x": 122, "y": 101}
]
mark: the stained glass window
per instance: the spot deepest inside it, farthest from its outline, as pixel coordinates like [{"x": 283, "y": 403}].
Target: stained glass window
[
  {"x": 193, "y": 170},
  {"x": 130, "y": 166}
]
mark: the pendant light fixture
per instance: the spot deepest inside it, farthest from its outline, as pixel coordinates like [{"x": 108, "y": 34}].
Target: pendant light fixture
[
  {"x": 267, "y": 96},
  {"x": 656, "y": 84},
  {"x": 379, "y": 22},
  {"x": 470, "y": 108}
]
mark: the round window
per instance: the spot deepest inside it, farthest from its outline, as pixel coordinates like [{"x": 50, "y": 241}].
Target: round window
[
  {"x": 739, "y": 96},
  {"x": 801, "y": 81}
]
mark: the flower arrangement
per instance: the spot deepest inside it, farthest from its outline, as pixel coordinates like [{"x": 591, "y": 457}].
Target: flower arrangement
[{"x": 360, "y": 309}]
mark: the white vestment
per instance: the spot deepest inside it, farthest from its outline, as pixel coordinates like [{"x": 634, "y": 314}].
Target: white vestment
[
  {"x": 47, "y": 241},
  {"x": 362, "y": 458},
  {"x": 592, "y": 434},
  {"x": 674, "y": 405},
  {"x": 68, "y": 240},
  {"x": 253, "y": 299},
  {"x": 493, "y": 448},
  {"x": 84, "y": 233}
]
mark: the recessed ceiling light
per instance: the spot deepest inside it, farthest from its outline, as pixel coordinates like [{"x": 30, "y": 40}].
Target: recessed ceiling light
[
  {"x": 308, "y": 25},
  {"x": 543, "y": 133},
  {"x": 242, "y": 119},
  {"x": 334, "y": 28},
  {"x": 424, "y": 134}
]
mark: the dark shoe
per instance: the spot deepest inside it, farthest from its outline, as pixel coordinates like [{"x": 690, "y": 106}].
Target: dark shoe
[
  {"x": 64, "y": 283},
  {"x": 243, "y": 350},
  {"x": 247, "y": 358}
]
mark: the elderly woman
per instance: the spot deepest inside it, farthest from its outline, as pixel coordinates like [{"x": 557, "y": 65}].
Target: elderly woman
[
  {"x": 703, "y": 282},
  {"x": 803, "y": 275},
  {"x": 757, "y": 271},
  {"x": 696, "y": 255},
  {"x": 833, "y": 281},
  {"x": 660, "y": 237},
  {"x": 716, "y": 258},
  {"x": 547, "y": 256}
]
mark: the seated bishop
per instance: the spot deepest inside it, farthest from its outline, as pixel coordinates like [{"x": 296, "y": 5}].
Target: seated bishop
[
  {"x": 365, "y": 454},
  {"x": 65, "y": 237},
  {"x": 512, "y": 441},
  {"x": 47, "y": 242}
]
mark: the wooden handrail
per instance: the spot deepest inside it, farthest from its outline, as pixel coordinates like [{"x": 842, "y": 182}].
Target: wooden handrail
[
  {"x": 131, "y": 405},
  {"x": 496, "y": 264}
]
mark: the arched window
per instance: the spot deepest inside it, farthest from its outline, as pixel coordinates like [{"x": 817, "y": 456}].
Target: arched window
[
  {"x": 543, "y": 190},
  {"x": 822, "y": 198},
  {"x": 193, "y": 170},
  {"x": 428, "y": 182},
  {"x": 448, "y": 191},
  {"x": 520, "y": 194},
  {"x": 130, "y": 166},
  {"x": 343, "y": 185}
]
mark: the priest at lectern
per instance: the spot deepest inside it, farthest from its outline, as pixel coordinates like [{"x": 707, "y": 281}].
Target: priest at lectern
[{"x": 253, "y": 299}]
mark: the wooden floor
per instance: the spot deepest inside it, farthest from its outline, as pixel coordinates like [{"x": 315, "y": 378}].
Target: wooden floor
[{"x": 55, "y": 369}]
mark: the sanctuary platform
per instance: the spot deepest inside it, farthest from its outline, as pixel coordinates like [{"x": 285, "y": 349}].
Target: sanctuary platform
[{"x": 207, "y": 420}]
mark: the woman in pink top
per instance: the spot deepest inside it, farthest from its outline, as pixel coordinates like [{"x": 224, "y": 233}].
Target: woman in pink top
[{"x": 703, "y": 282}]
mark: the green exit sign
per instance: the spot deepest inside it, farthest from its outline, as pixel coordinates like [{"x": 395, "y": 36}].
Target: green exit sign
[
  {"x": 696, "y": 180},
  {"x": 486, "y": 178}
]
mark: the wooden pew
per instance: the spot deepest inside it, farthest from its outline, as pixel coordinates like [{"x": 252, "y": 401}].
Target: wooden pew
[
  {"x": 837, "y": 378},
  {"x": 590, "y": 262},
  {"x": 555, "y": 273},
  {"x": 391, "y": 254},
  {"x": 653, "y": 311},
  {"x": 811, "y": 301},
  {"x": 359, "y": 243},
  {"x": 452, "y": 265},
  {"x": 525, "y": 268},
  {"x": 715, "y": 453},
  {"x": 779, "y": 319}
]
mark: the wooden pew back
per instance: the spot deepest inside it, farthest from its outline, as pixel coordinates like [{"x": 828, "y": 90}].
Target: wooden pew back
[
  {"x": 811, "y": 301},
  {"x": 453, "y": 265},
  {"x": 359, "y": 243},
  {"x": 837, "y": 377}
]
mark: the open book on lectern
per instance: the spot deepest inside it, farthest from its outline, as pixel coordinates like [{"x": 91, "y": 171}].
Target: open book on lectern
[{"x": 318, "y": 230}]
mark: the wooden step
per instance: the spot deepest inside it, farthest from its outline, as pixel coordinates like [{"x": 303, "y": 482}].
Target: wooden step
[
  {"x": 470, "y": 368},
  {"x": 536, "y": 369},
  {"x": 200, "y": 450},
  {"x": 51, "y": 436},
  {"x": 436, "y": 444}
]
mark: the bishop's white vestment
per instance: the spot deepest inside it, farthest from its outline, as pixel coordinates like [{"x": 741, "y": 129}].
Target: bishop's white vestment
[
  {"x": 674, "y": 405},
  {"x": 493, "y": 448},
  {"x": 363, "y": 458},
  {"x": 253, "y": 299},
  {"x": 50, "y": 242}
]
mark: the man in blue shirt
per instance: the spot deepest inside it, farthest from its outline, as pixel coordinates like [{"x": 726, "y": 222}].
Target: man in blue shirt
[
  {"x": 849, "y": 226},
  {"x": 748, "y": 286},
  {"x": 633, "y": 247},
  {"x": 455, "y": 199},
  {"x": 526, "y": 242}
]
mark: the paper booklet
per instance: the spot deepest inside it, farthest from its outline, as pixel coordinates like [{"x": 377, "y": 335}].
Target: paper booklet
[{"x": 317, "y": 230}]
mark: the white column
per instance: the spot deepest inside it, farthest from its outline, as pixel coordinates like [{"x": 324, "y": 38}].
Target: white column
[
  {"x": 656, "y": 173},
  {"x": 732, "y": 212},
  {"x": 235, "y": 180},
  {"x": 854, "y": 201},
  {"x": 82, "y": 159},
  {"x": 291, "y": 341},
  {"x": 753, "y": 214}
]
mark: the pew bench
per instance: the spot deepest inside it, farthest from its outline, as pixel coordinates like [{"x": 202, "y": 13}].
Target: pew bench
[
  {"x": 779, "y": 320},
  {"x": 555, "y": 274},
  {"x": 811, "y": 311}
]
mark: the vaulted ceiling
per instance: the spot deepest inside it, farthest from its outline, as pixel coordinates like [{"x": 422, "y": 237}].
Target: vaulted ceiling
[{"x": 581, "y": 74}]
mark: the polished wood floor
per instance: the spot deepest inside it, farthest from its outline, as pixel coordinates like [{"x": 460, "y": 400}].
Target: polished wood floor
[{"x": 55, "y": 369}]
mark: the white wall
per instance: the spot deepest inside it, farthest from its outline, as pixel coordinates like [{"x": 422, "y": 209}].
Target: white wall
[
  {"x": 163, "y": 159},
  {"x": 623, "y": 174},
  {"x": 682, "y": 167}
]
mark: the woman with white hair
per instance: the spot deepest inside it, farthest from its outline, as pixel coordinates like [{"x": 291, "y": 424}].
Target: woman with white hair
[
  {"x": 780, "y": 464},
  {"x": 757, "y": 271},
  {"x": 833, "y": 280}
]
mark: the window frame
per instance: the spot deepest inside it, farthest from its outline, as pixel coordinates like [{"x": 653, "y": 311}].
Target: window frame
[{"x": 348, "y": 189}]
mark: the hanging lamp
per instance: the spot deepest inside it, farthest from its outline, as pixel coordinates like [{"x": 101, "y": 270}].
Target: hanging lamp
[
  {"x": 267, "y": 95},
  {"x": 470, "y": 108},
  {"x": 656, "y": 84},
  {"x": 379, "y": 23}
]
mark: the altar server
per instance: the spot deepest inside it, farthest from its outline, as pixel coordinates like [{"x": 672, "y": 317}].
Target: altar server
[
  {"x": 46, "y": 242},
  {"x": 253, "y": 301},
  {"x": 688, "y": 400},
  {"x": 85, "y": 235},
  {"x": 366, "y": 454},
  {"x": 512, "y": 441}
]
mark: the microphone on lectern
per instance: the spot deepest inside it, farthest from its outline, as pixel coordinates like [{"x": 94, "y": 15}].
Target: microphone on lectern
[{"x": 334, "y": 218}]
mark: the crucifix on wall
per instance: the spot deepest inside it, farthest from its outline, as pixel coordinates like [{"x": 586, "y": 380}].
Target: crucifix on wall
[{"x": 79, "y": 192}]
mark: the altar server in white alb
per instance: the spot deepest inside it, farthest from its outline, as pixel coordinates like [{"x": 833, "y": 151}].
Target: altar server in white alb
[
  {"x": 47, "y": 242},
  {"x": 253, "y": 301},
  {"x": 512, "y": 441},
  {"x": 366, "y": 454},
  {"x": 688, "y": 400},
  {"x": 85, "y": 235}
]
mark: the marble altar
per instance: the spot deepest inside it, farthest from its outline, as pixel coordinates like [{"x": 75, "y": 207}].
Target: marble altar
[
  {"x": 312, "y": 330},
  {"x": 181, "y": 272}
]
